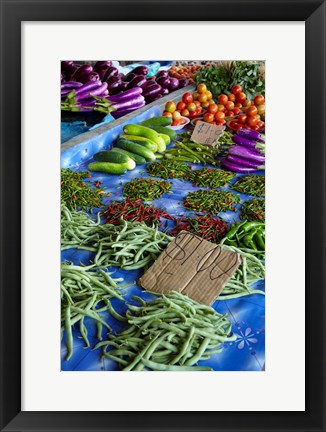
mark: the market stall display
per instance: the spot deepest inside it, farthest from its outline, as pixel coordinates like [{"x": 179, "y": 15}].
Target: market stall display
[{"x": 152, "y": 183}]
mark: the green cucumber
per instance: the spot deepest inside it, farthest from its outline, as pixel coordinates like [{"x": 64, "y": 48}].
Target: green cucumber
[
  {"x": 166, "y": 131},
  {"x": 166, "y": 138},
  {"x": 138, "y": 130},
  {"x": 138, "y": 159},
  {"x": 137, "y": 149},
  {"x": 107, "y": 167},
  {"x": 157, "y": 121},
  {"x": 144, "y": 141},
  {"x": 109, "y": 156}
]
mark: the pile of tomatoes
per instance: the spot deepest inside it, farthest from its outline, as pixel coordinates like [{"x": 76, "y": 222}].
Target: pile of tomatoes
[
  {"x": 184, "y": 72},
  {"x": 252, "y": 115}
]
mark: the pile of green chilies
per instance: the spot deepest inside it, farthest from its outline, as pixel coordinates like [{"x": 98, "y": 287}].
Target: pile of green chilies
[
  {"x": 248, "y": 237},
  {"x": 207, "y": 227},
  {"x": 189, "y": 151},
  {"x": 82, "y": 289},
  {"x": 250, "y": 185},
  {"x": 250, "y": 271},
  {"x": 210, "y": 177},
  {"x": 168, "y": 169},
  {"x": 170, "y": 333},
  {"x": 146, "y": 189},
  {"x": 211, "y": 201},
  {"x": 253, "y": 210},
  {"x": 129, "y": 245},
  {"x": 224, "y": 143},
  {"x": 135, "y": 211},
  {"x": 75, "y": 193}
]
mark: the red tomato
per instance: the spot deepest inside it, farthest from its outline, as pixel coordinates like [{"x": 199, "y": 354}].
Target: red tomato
[
  {"x": 170, "y": 107},
  {"x": 222, "y": 99},
  {"x": 220, "y": 123},
  {"x": 246, "y": 127},
  {"x": 229, "y": 105},
  {"x": 176, "y": 115},
  {"x": 191, "y": 107},
  {"x": 251, "y": 121},
  {"x": 181, "y": 106},
  {"x": 255, "y": 127},
  {"x": 259, "y": 100},
  {"x": 252, "y": 111},
  {"x": 246, "y": 103},
  {"x": 208, "y": 117},
  {"x": 236, "y": 89},
  {"x": 233, "y": 123},
  {"x": 219, "y": 116},
  {"x": 260, "y": 124},
  {"x": 236, "y": 111},
  {"x": 238, "y": 105},
  {"x": 202, "y": 97},
  {"x": 229, "y": 113},
  {"x": 185, "y": 112},
  {"x": 201, "y": 88},
  {"x": 195, "y": 95},
  {"x": 212, "y": 108},
  {"x": 187, "y": 98},
  {"x": 242, "y": 118},
  {"x": 197, "y": 103},
  {"x": 167, "y": 114},
  {"x": 205, "y": 105},
  {"x": 231, "y": 97},
  {"x": 220, "y": 107},
  {"x": 240, "y": 97}
]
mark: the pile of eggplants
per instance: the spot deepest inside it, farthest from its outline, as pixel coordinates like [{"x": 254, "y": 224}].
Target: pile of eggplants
[
  {"x": 247, "y": 153},
  {"x": 81, "y": 83}
]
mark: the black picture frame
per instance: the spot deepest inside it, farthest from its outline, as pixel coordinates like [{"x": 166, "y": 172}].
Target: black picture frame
[{"x": 13, "y": 13}]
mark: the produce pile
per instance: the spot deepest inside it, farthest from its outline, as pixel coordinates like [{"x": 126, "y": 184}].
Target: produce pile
[{"x": 109, "y": 230}]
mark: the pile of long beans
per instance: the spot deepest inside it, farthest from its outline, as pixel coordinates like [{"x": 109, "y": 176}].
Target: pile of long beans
[
  {"x": 82, "y": 291},
  {"x": 249, "y": 272},
  {"x": 224, "y": 143},
  {"x": 75, "y": 193},
  {"x": 129, "y": 245},
  {"x": 210, "y": 177},
  {"x": 146, "y": 189},
  {"x": 207, "y": 227},
  {"x": 168, "y": 169},
  {"x": 248, "y": 237},
  {"x": 211, "y": 201},
  {"x": 253, "y": 210},
  {"x": 170, "y": 333},
  {"x": 250, "y": 185}
]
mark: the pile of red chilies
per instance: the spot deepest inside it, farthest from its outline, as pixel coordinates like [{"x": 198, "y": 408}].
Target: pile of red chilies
[
  {"x": 135, "y": 211},
  {"x": 210, "y": 229}
]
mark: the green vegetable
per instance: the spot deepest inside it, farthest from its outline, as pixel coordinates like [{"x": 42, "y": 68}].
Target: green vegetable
[
  {"x": 157, "y": 121},
  {"x": 138, "y": 130},
  {"x": 146, "y": 143},
  {"x": 137, "y": 158},
  {"x": 146, "y": 189},
  {"x": 166, "y": 131},
  {"x": 217, "y": 79},
  {"x": 247, "y": 74},
  {"x": 108, "y": 167},
  {"x": 166, "y": 138},
  {"x": 168, "y": 169},
  {"x": 248, "y": 237},
  {"x": 253, "y": 210},
  {"x": 210, "y": 177},
  {"x": 170, "y": 333},
  {"x": 211, "y": 201},
  {"x": 109, "y": 156},
  {"x": 250, "y": 185},
  {"x": 137, "y": 149}
]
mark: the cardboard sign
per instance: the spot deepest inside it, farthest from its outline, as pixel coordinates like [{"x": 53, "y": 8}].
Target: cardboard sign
[
  {"x": 206, "y": 133},
  {"x": 192, "y": 266}
]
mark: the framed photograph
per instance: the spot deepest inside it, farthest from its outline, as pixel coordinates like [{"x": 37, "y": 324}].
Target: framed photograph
[{"x": 273, "y": 381}]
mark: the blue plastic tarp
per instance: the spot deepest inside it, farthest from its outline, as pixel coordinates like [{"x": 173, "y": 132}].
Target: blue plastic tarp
[{"x": 247, "y": 314}]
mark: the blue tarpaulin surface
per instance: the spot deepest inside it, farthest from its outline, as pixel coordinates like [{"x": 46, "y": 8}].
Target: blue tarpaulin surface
[{"x": 246, "y": 353}]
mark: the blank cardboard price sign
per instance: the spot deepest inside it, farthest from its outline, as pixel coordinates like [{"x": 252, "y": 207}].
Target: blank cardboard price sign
[
  {"x": 192, "y": 266},
  {"x": 205, "y": 133}
]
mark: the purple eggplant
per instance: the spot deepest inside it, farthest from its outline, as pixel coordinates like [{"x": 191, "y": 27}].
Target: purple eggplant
[
  {"x": 66, "y": 63},
  {"x": 138, "y": 81},
  {"x": 231, "y": 166},
  {"x": 129, "y": 76},
  {"x": 128, "y": 103},
  {"x": 244, "y": 162},
  {"x": 110, "y": 72},
  {"x": 102, "y": 64},
  {"x": 87, "y": 77},
  {"x": 122, "y": 112},
  {"x": 140, "y": 70},
  {"x": 152, "y": 90},
  {"x": 114, "y": 85},
  {"x": 162, "y": 73},
  {"x": 164, "y": 81},
  {"x": 246, "y": 153},
  {"x": 84, "y": 69},
  {"x": 174, "y": 84},
  {"x": 101, "y": 71},
  {"x": 70, "y": 85},
  {"x": 250, "y": 134},
  {"x": 183, "y": 82},
  {"x": 165, "y": 91},
  {"x": 123, "y": 86},
  {"x": 243, "y": 141},
  {"x": 88, "y": 86},
  {"x": 129, "y": 94},
  {"x": 153, "y": 98}
]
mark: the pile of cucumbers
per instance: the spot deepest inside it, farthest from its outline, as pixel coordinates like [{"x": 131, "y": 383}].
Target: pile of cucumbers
[{"x": 138, "y": 144}]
